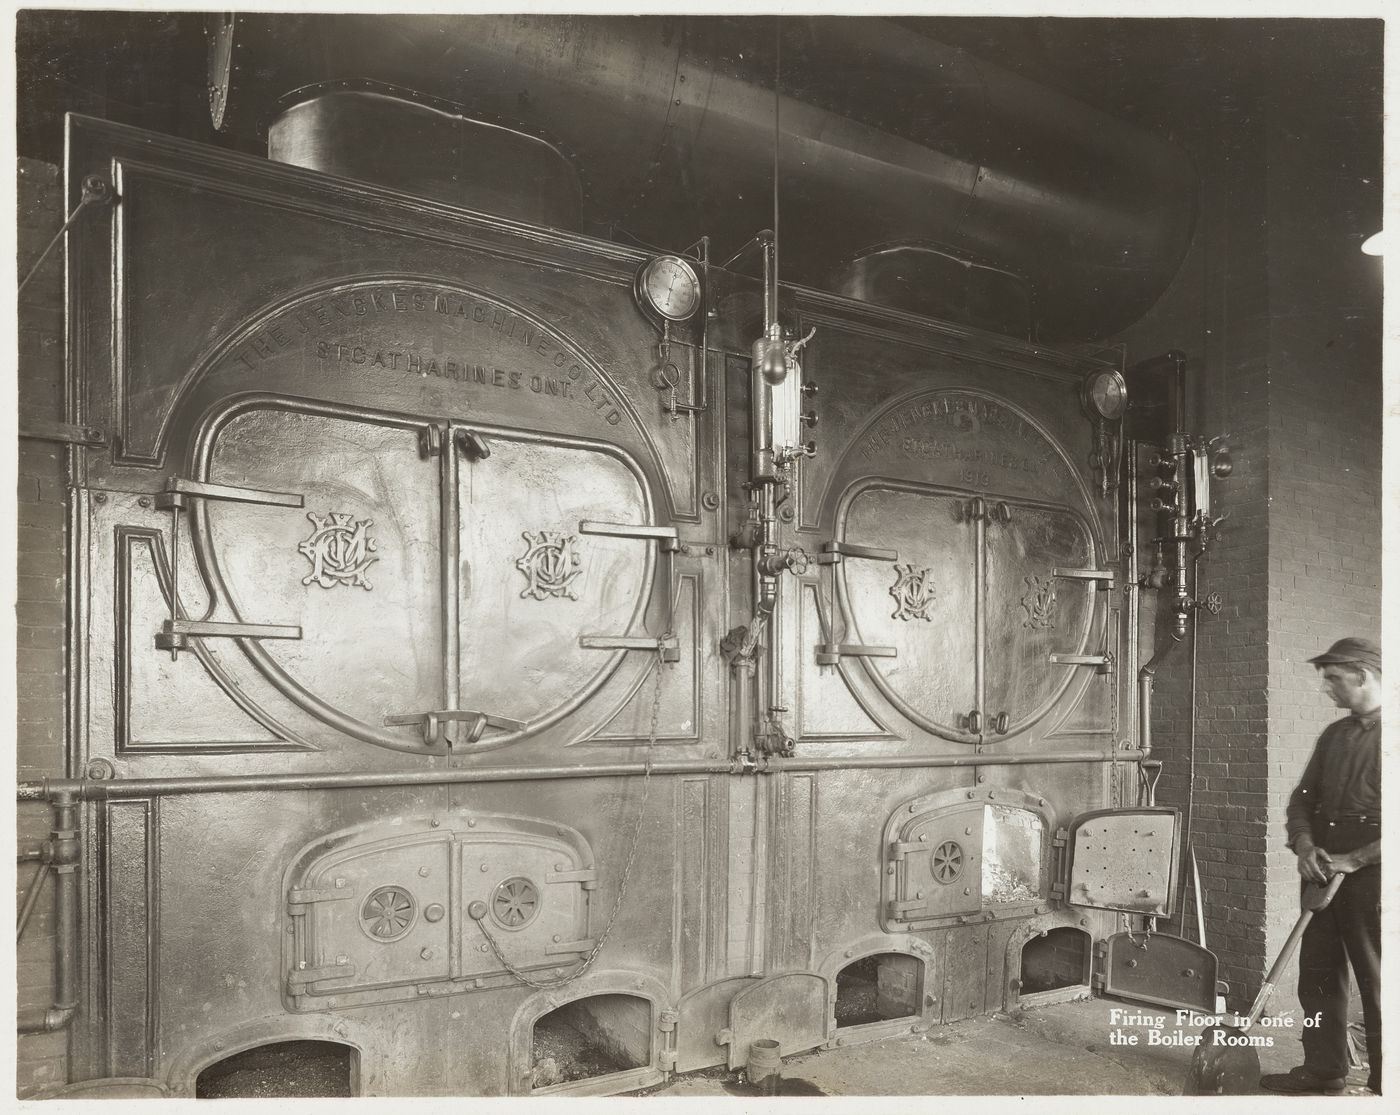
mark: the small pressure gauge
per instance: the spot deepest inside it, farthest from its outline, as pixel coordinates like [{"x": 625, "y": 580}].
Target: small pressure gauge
[
  {"x": 668, "y": 287},
  {"x": 1105, "y": 395}
]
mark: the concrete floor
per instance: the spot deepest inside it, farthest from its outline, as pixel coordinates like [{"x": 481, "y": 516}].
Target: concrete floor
[{"x": 1062, "y": 1049}]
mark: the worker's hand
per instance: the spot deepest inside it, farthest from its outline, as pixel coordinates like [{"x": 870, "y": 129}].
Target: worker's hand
[
  {"x": 1343, "y": 864},
  {"x": 1315, "y": 865}
]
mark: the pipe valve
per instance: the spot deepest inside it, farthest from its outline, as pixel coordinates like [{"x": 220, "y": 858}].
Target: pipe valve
[{"x": 794, "y": 558}]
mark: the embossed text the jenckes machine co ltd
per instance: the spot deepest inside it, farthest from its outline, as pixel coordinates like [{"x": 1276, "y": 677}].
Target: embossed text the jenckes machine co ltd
[
  {"x": 933, "y": 429},
  {"x": 565, "y": 378}
]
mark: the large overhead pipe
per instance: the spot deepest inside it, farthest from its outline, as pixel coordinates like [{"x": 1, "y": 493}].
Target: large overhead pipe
[{"x": 890, "y": 139}]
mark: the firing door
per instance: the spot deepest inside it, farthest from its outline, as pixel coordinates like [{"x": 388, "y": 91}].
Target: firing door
[
  {"x": 397, "y": 911},
  {"x": 1124, "y": 859}
]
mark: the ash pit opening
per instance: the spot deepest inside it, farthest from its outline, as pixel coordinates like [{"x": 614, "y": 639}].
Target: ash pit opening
[
  {"x": 282, "y": 1070},
  {"x": 1056, "y": 959},
  {"x": 877, "y": 988},
  {"x": 591, "y": 1037}
]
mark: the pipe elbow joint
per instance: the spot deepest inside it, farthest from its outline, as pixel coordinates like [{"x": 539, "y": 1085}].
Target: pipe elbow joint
[{"x": 48, "y": 1021}]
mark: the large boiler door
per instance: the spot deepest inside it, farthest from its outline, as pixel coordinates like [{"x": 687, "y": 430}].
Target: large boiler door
[
  {"x": 925, "y": 606},
  {"x": 373, "y": 577}
]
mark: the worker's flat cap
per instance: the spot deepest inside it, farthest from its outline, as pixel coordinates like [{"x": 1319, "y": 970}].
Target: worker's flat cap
[{"x": 1351, "y": 650}]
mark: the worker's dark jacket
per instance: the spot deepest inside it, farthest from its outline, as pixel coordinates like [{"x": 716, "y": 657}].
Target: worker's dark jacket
[{"x": 1340, "y": 785}]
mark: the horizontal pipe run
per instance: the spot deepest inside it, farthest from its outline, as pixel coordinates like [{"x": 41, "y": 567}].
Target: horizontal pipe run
[
  {"x": 103, "y": 790},
  {"x": 895, "y": 762}
]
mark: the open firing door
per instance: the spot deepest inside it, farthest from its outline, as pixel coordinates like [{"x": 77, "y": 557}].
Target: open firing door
[{"x": 1122, "y": 859}]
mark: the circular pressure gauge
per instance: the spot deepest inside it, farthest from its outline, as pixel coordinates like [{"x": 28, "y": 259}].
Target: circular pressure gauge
[
  {"x": 1105, "y": 395},
  {"x": 668, "y": 286}
]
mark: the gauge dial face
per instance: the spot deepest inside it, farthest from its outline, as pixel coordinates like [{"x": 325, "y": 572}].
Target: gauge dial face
[
  {"x": 1107, "y": 395},
  {"x": 669, "y": 286}
]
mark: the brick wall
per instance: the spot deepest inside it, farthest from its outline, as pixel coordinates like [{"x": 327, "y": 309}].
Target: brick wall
[
  {"x": 1280, "y": 314},
  {"x": 1325, "y": 411},
  {"x": 40, "y": 590}
]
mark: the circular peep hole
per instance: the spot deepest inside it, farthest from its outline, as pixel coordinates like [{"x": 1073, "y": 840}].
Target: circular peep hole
[
  {"x": 388, "y": 914},
  {"x": 515, "y": 903},
  {"x": 947, "y": 862}
]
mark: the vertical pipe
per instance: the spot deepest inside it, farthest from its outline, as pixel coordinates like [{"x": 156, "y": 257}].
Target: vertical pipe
[
  {"x": 451, "y": 546},
  {"x": 741, "y": 696},
  {"x": 758, "y": 910},
  {"x": 64, "y": 853},
  {"x": 1132, "y": 588},
  {"x": 979, "y": 609},
  {"x": 760, "y": 402}
]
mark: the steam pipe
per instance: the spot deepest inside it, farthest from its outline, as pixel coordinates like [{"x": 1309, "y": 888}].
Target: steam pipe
[
  {"x": 741, "y": 712},
  {"x": 938, "y": 762},
  {"x": 1144, "y": 678},
  {"x": 124, "y": 788},
  {"x": 1191, "y": 746},
  {"x": 64, "y": 853},
  {"x": 1131, "y": 587}
]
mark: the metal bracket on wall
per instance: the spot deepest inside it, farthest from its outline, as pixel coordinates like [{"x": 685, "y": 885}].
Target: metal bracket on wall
[
  {"x": 65, "y": 432},
  {"x": 668, "y": 542},
  {"x": 96, "y": 191},
  {"x": 1103, "y": 577},
  {"x": 1100, "y": 660},
  {"x": 176, "y": 632},
  {"x": 668, "y": 646},
  {"x": 435, "y": 725},
  {"x": 829, "y": 654},
  {"x": 832, "y": 554},
  {"x": 178, "y": 491}
]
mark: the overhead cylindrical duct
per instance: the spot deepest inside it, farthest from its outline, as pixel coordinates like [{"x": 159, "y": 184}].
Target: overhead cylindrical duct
[{"x": 885, "y": 138}]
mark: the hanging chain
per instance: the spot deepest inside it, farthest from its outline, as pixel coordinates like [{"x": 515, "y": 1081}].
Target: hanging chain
[{"x": 545, "y": 985}]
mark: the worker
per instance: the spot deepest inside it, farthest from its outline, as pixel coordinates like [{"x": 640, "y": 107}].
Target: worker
[{"x": 1334, "y": 826}]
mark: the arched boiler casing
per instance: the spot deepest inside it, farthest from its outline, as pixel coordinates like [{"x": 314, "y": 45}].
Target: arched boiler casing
[{"x": 887, "y": 138}]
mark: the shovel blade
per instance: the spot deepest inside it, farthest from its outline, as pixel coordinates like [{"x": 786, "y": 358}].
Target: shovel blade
[{"x": 1219, "y": 1067}]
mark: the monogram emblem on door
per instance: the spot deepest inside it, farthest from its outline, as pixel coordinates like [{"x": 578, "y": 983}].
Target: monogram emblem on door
[
  {"x": 549, "y": 564},
  {"x": 912, "y": 592},
  {"x": 339, "y": 550}
]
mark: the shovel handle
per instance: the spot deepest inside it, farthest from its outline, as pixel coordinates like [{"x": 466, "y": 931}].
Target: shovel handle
[{"x": 1290, "y": 946}]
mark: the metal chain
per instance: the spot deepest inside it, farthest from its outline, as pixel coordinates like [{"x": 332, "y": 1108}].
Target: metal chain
[{"x": 545, "y": 985}]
